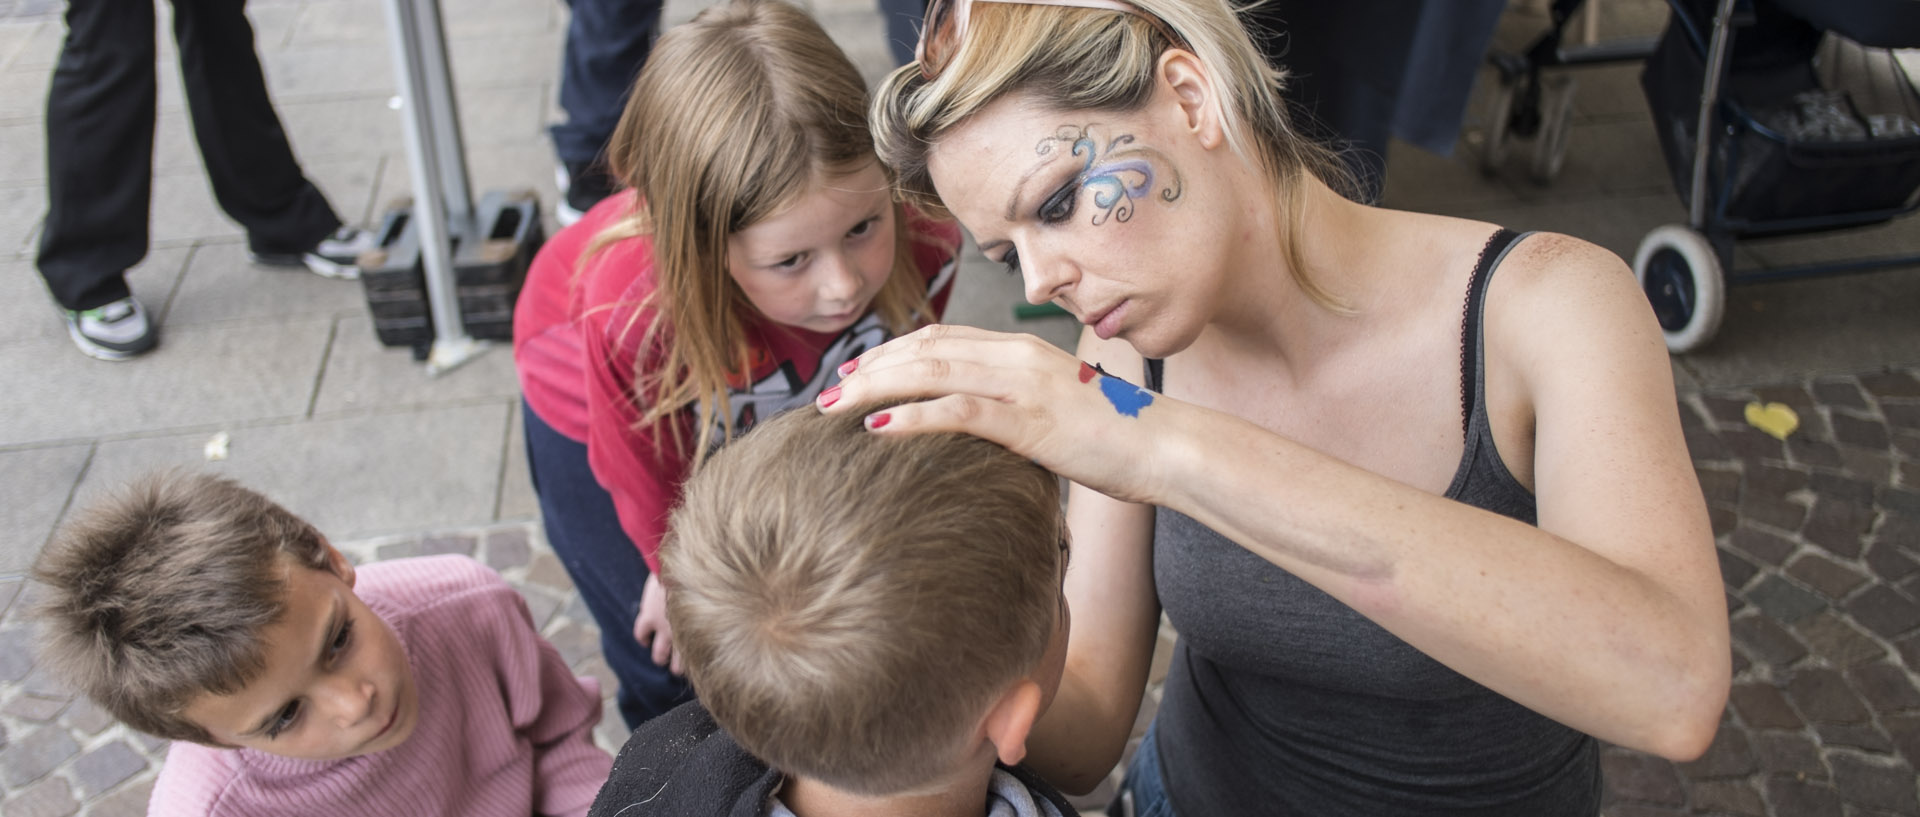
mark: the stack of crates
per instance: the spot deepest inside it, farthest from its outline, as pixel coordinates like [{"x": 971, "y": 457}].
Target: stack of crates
[{"x": 488, "y": 271}]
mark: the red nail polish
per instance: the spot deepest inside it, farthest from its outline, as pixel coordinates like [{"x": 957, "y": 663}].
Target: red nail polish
[
  {"x": 848, "y": 367},
  {"x": 878, "y": 420},
  {"x": 830, "y": 396}
]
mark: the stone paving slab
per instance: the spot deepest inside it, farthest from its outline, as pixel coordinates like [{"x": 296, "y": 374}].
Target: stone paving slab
[
  {"x": 1813, "y": 325},
  {"x": 209, "y": 375},
  {"x": 352, "y": 477},
  {"x": 221, "y": 284},
  {"x": 363, "y": 375},
  {"x": 36, "y": 483}
]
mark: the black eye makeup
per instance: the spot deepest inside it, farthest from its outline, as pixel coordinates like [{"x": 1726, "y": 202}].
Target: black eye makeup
[
  {"x": 1060, "y": 205},
  {"x": 1012, "y": 261}
]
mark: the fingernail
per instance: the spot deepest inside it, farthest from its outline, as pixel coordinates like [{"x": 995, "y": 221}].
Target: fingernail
[
  {"x": 880, "y": 420},
  {"x": 829, "y": 397},
  {"x": 848, "y": 367}
]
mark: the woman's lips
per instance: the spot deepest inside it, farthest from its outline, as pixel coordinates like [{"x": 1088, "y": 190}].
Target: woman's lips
[{"x": 1108, "y": 323}]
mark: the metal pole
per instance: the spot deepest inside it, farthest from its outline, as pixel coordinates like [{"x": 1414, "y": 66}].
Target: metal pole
[
  {"x": 449, "y": 149},
  {"x": 451, "y": 343},
  {"x": 1709, "y": 102}
]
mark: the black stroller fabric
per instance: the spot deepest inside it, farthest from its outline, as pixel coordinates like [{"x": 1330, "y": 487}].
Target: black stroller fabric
[{"x": 1819, "y": 130}]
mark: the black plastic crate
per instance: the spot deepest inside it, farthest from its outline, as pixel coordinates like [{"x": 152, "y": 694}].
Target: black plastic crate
[{"x": 488, "y": 272}]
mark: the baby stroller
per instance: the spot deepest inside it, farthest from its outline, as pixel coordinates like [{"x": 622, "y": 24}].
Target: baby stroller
[{"x": 1794, "y": 131}]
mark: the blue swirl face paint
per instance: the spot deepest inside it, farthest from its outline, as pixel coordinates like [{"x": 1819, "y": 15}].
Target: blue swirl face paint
[{"x": 1118, "y": 173}]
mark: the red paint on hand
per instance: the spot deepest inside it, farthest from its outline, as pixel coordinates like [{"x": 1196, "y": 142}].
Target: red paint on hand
[
  {"x": 1087, "y": 373},
  {"x": 830, "y": 396},
  {"x": 848, "y": 367},
  {"x": 878, "y": 420}
]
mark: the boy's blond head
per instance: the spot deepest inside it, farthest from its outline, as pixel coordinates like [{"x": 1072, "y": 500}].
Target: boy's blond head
[
  {"x": 157, "y": 595},
  {"x": 851, "y": 604}
]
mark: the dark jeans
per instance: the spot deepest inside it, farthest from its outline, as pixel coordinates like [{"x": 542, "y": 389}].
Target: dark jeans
[
  {"x": 903, "y": 27},
  {"x": 607, "y": 43},
  {"x": 607, "y": 569},
  {"x": 1143, "y": 787},
  {"x": 100, "y": 112}
]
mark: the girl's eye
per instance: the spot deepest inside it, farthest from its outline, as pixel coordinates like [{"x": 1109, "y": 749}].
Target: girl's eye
[
  {"x": 284, "y": 720},
  {"x": 1012, "y": 260},
  {"x": 788, "y": 262},
  {"x": 864, "y": 227},
  {"x": 1059, "y": 206}
]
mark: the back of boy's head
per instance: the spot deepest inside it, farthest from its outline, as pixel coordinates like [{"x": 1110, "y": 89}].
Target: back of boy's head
[
  {"x": 851, "y": 604},
  {"x": 158, "y": 594}
]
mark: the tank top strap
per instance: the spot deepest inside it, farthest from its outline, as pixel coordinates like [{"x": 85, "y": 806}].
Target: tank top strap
[{"x": 1472, "y": 341}]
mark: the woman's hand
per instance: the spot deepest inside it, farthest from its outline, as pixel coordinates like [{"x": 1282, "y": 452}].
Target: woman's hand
[
  {"x": 1018, "y": 391},
  {"x": 651, "y": 629}
]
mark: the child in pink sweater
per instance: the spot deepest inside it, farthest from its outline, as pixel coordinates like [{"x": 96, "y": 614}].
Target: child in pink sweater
[{"x": 293, "y": 683}]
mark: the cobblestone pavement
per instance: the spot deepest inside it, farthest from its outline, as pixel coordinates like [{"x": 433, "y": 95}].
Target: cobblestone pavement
[{"x": 1818, "y": 537}]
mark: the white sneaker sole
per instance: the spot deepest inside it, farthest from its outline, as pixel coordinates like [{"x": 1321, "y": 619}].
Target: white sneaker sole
[{"x": 94, "y": 350}]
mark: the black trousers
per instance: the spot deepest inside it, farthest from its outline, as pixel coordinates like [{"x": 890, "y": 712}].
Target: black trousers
[{"x": 100, "y": 122}]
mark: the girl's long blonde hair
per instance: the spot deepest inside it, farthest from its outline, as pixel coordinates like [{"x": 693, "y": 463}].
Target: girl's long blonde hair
[
  {"x": 737, "y": 115},
  {"x": 1075, "y": 58}
]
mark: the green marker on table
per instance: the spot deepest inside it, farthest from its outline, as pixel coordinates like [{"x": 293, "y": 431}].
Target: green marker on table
[{"x": 1049, "y": 309}]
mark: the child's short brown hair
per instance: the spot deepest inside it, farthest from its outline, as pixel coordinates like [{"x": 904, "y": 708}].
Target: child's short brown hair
[
  {"x": 850, "y": 604},
  {"x": 158, "y": 594}
]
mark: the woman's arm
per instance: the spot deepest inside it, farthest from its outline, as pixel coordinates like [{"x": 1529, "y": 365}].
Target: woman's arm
[
  {"x": 1608, "y": 617},
  {"x": 1115, "y": 618}
]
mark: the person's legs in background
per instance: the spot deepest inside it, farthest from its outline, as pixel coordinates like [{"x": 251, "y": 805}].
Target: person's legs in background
[
  {"x": 607, "y": 43},
  {"x": 250, "y": 163},
  {"x": 903, "y": 27},
  {"x": 606, "y": 568},
  {"x": 100, "y": 120}
]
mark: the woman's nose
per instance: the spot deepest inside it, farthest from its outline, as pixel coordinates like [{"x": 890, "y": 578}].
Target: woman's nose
[{"x": 1044, "y": 279}]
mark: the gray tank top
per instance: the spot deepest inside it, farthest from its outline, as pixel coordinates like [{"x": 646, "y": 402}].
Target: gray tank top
[{"x": 1283, "y": 701}]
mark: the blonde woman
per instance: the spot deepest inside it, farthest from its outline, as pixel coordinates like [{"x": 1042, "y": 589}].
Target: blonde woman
[
  {"x": 1412, "y": 489},
  {"x": 759, "y": 249}
]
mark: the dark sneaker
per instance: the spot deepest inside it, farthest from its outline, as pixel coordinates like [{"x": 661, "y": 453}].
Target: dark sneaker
[
  {"x": 117, "y": 331},
  {"x": 336, "y": 256},
  {"x": 582, "y": 185}
]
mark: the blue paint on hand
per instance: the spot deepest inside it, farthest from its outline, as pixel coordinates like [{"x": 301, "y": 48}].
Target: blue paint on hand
[{"x": 1126, "y": 398}]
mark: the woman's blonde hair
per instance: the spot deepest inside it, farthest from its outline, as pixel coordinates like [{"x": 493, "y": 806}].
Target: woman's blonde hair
[
  {"x": 1075, "y": 58},
  {"x": 737, "y": 115}
]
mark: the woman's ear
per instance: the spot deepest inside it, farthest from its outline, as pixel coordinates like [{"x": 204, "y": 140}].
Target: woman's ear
[
  {"x": 1011, "y": 719},
  {"x": 1186, "y": 81}
]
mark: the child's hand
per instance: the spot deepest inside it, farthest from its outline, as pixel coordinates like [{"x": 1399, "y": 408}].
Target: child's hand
[{"x": 652, "y": 630}]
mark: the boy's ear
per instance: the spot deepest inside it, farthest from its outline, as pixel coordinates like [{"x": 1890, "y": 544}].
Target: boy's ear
[
  {"x": 337, "y": 563},
  {"x": 1011, "y": 719}
]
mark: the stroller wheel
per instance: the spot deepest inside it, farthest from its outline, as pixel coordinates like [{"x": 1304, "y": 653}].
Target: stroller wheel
[
  {"x": 1680, "y": 273},
  {"x": 1556, "y": 119},
  {"x": 1499, "y": 123}
]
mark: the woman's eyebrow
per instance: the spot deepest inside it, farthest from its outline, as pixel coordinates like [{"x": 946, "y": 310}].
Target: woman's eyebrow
[{"x": 1019, "y": 187}]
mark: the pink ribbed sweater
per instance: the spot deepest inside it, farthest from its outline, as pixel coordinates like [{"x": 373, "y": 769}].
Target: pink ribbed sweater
[{"x": 505, "y": 729}]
